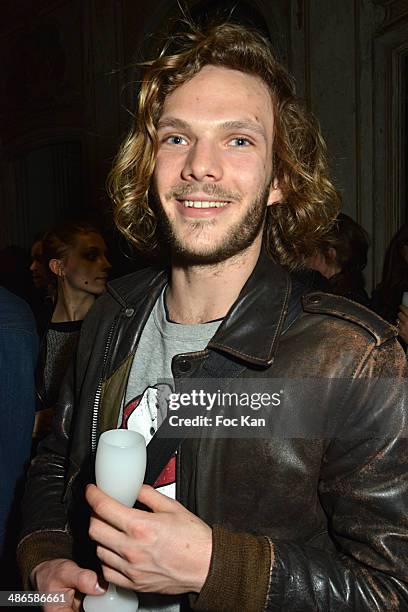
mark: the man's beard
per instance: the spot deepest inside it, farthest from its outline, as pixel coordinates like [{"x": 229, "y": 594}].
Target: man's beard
[{"x": 238, "y": 237}]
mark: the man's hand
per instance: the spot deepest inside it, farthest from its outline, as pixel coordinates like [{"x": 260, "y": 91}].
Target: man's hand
[
  {"x": 164, "y": 551},
  {"x": 64, "y": 576},
  {"x": 403, "y": 323}
]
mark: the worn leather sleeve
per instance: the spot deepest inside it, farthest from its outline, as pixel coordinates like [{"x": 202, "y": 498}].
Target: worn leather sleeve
[
  {"x": 45, "y": 533},
  {"x": 363, "y": 490}
]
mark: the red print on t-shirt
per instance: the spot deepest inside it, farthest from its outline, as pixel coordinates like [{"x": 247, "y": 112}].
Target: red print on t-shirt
[{"x": 168, "y": 474}]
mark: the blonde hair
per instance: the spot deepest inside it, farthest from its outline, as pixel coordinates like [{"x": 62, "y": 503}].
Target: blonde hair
[
  {"x": 58, "y": 242},
  {"x": 292, "y": 228}
]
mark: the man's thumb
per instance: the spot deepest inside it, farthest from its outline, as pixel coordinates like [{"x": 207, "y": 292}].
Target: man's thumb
[{"x": 87, "y": 583}]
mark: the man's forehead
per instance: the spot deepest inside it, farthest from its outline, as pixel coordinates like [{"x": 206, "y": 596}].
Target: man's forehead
[
  {"x": 223, "y": 77},
  {"x": 229, "y": 95}
]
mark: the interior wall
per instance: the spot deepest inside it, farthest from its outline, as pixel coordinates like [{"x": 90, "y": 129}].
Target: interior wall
[
  {"x": 60, "y": 113},
  {"x": 41, "y": 102},
  {"x": 348, "y": 60}
]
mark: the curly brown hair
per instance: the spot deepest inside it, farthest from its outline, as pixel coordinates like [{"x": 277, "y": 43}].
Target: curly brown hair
[{"x": 292, "y": 228}]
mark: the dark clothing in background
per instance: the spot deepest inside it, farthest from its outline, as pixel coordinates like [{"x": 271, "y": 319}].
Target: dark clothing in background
[
  {"x": 388, "y": 307},
  {"x": 58, "y": 347},
  {"x": 42, "y": 308},
  {"x": 18, "y": 354},
  {"x": 312, "y": 280},
  {"x": 61, "y": 341},
  {"x": 344, "y": 284}
]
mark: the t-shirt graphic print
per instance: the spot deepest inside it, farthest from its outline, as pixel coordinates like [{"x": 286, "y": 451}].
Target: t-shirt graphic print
[{"x": 141, "y": 414}]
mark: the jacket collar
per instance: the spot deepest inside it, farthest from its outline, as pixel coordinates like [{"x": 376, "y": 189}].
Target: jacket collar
[{"x": 251, "y": 329}]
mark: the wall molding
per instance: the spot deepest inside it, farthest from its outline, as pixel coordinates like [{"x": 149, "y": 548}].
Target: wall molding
[{"x": 390, "y": 52}]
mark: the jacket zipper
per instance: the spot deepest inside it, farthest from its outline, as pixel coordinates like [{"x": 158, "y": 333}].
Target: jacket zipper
[
  {"x": 42, "y": 352},
  {"x": 95, "y": 409}
]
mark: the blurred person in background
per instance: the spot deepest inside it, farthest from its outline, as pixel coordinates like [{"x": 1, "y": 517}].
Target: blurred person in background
[
  {"x": 37, "y": 268},
  {"x": 342, "y": 258},
  {"x": 75, "y": 257},
  {"x": 43, "y": 302},
  {"x": 18, "y": 354},
  {"x": 388, "y": 295}
]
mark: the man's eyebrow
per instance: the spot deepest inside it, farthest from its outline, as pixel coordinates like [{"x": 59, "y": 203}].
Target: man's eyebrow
[
  {"x": 244, "y": 125},
  {"x": 172, "y": 122},
  {"x": 237, "y": 125}
]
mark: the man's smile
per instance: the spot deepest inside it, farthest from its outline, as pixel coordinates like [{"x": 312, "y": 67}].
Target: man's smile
[
  {"x": 202, "y": 204},
  {"x": 202, "y": 208}
]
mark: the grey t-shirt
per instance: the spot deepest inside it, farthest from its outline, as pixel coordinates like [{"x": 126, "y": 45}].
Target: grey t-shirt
[{"x": 150, "y": 380}]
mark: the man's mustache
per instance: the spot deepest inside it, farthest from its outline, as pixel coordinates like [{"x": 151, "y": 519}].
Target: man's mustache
[{"x": 210, "y": 189}]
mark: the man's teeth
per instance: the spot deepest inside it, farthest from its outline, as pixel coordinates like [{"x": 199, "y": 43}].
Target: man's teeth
[{"x": 202, "y": 204}]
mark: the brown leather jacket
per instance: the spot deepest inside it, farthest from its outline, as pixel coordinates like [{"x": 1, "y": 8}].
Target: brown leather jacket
[{"x": 300, "y": 522}]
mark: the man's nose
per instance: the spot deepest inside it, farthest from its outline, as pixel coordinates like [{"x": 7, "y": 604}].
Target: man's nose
[{"x": 203, "y": 162}]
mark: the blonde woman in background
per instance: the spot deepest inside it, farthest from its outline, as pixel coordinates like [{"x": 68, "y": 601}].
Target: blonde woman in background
[{"x": 75, "y": 256}]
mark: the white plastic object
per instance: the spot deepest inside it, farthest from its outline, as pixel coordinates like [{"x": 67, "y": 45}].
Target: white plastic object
[{"x": 120, "y": 467}]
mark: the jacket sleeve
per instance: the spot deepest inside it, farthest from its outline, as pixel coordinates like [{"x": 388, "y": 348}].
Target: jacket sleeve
[
  {"x": 54, "y": 510},
  {"x": 363, "y": 490},
  {"x": 18, "y": 352},
  {"x": 45, "y": 533}
]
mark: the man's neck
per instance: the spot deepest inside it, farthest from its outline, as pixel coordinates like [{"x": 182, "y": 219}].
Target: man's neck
[{"x": 198, "y": 294}]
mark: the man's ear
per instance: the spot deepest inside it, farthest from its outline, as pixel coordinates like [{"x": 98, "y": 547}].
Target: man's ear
[
  {"x": 57, "y": 267},
  {"x": 275, "y": 193}
]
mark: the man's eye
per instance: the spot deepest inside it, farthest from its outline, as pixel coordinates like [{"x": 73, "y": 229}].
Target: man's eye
[
  {"x": 240, "y": 141},
  {"x": 176, "y": 140}
]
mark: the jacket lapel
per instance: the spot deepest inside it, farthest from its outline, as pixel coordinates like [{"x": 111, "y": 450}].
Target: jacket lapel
[{"x": 253, "y": 325}]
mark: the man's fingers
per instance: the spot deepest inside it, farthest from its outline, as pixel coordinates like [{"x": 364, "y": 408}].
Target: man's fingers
[
  {"x": 103, "y": 533},
  {"x": 111, "y": 559},
  {"x": 107, "y": 508},
  {"x": 116, "y": 578},
  {"x": 76, "y": 606},
  {"x": 60, "y": 608},
  {"x": 65, "y": 577},
  {"x": 119, "y": 516},
  {"x": 158, "y": 502}
]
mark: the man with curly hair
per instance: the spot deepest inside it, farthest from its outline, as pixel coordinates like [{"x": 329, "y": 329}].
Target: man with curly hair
[{"x": 224, "y": 174}]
